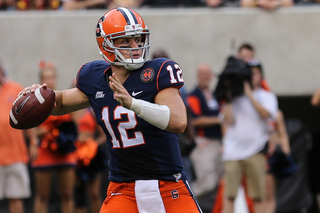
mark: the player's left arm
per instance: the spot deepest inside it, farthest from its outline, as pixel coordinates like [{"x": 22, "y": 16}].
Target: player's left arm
[
  {"x": 167, "y": 113},
  {"x": 171, "y": 98}
]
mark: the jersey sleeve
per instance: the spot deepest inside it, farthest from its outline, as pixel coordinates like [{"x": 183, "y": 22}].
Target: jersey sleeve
[
  {"x": 169, "y": 75},
  {"x": 89, "y": 76},
  {"x": 82, "y": 76}
]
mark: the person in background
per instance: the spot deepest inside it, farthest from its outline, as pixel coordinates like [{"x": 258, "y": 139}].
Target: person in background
[
  {"x": 279, "y": 137},
  {"x": 38, "y": 4},
  {"x": 125, "y": 3},
  {"x": 247, "y": 120},
  {"x": 247, "y": 53},
  {"x": 8, "y": 5},
  {"x": 14, "y": 175},
  {"x": 85, "y": 4},
  {"x": 172, "y": 3},
  {"x": 91, "y": 161},
  {"x": 99, "y": 4},
  {"x": 268, "y": 5},
  {"x": 57, "y": 135},
  {"x": 206, "y": 156}
]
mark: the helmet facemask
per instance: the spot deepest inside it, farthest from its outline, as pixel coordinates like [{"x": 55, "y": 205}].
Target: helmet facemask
[{"x": 130, "y": 31}]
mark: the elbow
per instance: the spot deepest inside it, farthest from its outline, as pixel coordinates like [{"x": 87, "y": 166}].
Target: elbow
[
  {"x": 181, "y": 128},
  {"x": 178, "y": 126}
]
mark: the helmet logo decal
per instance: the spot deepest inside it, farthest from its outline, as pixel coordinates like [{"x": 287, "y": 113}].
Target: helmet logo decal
[
  {"x": 147, "y": 75},
  {"x": 98, "y": 30}
]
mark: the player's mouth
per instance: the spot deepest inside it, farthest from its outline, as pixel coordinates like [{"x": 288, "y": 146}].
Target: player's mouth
[{"x": 136, "y": 56}]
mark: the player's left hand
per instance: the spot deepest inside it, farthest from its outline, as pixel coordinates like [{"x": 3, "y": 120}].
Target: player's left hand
[{"x": 119, "y": 92}]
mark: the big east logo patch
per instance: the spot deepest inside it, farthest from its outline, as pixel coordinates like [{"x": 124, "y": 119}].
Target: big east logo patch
[{"x": 147, "y": 75}]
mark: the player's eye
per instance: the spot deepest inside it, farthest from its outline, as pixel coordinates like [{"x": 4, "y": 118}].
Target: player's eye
[
  {"x": 138, "y": 40},
  {"x": 125, "y": 41}
]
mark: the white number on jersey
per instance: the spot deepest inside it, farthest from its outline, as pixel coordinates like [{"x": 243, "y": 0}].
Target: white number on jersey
[
  {"x": 122, "y": 127},
  {"x": 173, "y": 79}
]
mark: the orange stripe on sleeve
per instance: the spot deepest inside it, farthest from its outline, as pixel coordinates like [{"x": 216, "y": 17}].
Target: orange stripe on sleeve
[
  {"x": 194, "y": 105},
  {"x": 159, "y": 73}
]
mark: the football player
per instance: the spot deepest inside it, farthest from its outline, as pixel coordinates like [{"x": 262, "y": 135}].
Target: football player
[{"x": 137, "y": 103}]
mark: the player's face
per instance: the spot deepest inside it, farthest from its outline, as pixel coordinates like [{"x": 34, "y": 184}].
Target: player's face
[{"x": 134, "y": 42}]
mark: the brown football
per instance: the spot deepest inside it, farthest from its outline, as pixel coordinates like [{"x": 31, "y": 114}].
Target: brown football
[{"x": 32, "y": 109}]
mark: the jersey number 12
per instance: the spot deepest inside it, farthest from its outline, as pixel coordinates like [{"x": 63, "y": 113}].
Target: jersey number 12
[{"x": 123, "y": 127}]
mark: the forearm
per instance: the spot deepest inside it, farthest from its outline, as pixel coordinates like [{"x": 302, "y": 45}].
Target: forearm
[
  {"x": 67, "y": 101},
  {"x": 283, "y": 135},
  {"x": 228, "y": 114},
  {"x": 162, "y": 116},
  {"x": 264, "y": 114},
  {"x": 204, "y": 121},
  {"x": 285, "y": 145}
]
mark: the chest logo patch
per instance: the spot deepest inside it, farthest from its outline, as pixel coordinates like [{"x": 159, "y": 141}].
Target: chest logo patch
[{"x": 147, "y": 75}]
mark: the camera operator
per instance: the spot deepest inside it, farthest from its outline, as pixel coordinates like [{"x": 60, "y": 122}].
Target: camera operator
[{"x": 246, "y": 119}]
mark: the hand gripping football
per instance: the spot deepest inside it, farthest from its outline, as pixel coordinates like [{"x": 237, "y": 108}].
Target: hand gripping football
[{"x": 32, "y": 109}]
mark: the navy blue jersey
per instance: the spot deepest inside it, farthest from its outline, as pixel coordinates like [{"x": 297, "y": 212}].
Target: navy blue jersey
[
  {"x": 137, "y": 149},
  {"x": 201, "y": 107}
]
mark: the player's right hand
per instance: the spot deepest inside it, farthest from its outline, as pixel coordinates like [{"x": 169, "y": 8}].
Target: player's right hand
[
  {"x": 31, "y": 88},
  {"x": 119, "y": 92}
]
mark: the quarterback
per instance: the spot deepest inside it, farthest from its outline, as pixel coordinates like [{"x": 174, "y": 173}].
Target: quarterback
[{"x": 137, "y": 103}]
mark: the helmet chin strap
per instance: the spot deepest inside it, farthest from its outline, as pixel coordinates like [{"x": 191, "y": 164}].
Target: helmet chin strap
[
  {"x": 133, "y": 66},
  {"x": 138, "y": 63},
  {"x": 129, "y": 63}
]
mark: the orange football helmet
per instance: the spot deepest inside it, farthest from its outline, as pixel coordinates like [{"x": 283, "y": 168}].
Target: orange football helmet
[{"x": 120, "y": 23}]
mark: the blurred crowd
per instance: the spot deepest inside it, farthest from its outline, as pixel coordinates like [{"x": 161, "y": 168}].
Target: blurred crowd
[{"x": 21, "y": 5}]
